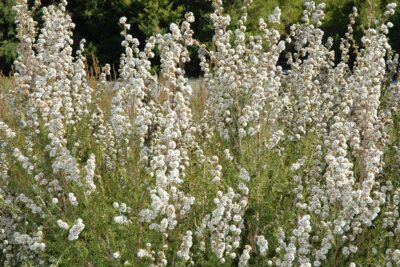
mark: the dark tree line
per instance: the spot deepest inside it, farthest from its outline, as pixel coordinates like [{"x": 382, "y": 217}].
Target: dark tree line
[{"x": 97, "y": 22}]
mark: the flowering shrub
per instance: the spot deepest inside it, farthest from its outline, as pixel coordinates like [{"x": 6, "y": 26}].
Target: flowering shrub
[{"x": 269, "y": 168}]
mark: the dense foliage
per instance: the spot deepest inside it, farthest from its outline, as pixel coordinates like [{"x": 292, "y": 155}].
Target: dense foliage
[
  {"x": 257, "y": 166},
  {"x": 96, "y": 21},
  {"x": 8, "y": 41}
]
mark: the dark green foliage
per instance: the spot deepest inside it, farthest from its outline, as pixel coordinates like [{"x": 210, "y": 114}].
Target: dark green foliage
[
  {"x": 8, "y": 43},
  {"x": 97, "y": 22}
]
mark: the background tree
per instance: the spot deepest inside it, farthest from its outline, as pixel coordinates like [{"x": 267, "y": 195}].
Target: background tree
[
  {"x": 97, "y": 22},
  {"x": 8, "y": 42}
]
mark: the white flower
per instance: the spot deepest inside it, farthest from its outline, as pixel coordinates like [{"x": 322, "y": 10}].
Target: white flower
[
  {"x": 76, "y": 229},
  {"x": 244, "y": 175},
  {"x": 72, "y": 199},
  {"x": 244, "y": 258},
  {"x": 262, "y": 244},
  {"x": 121, "y": 219},
  {"x": 116, "y": 255},
  {"x": 122, "y": 20},
  {"x": 143, "y": 253},
  {"x": 62, "y": 224},
  {"x": 185, "y": 246}
]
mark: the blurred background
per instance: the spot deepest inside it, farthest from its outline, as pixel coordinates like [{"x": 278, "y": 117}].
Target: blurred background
[{"x": 97, "y": 22}]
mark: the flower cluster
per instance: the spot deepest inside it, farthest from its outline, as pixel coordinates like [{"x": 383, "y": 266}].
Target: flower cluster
[
  {"x": 258, "y": 166},
  {"x": 76, "y": 229}
]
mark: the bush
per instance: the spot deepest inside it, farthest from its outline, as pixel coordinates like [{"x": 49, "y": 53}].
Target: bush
[{"x": 258, "y": 166}]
